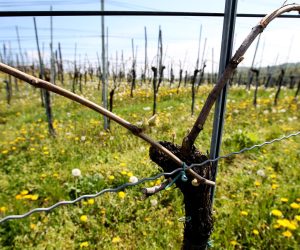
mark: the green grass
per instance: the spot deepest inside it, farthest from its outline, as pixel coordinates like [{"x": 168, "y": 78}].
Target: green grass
[{"x": 33, "y": 162}]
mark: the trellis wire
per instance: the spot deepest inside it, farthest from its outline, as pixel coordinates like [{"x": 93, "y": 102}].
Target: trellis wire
[{"x": 114, "y": 190}]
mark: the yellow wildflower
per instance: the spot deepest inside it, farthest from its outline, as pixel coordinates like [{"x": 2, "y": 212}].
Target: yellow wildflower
[
  {"x": 276, "y": 226},
  {"x": 297, "y": 217},
  {"x": 116, "y": 239},
  {"x": 111, "y": 177},
  {"x": 244, "y": 213},
  {"x": 4, "y": 152},
  {"x": 27, "y": 196},
  {"x": 275, "y": 186},
  {"x": 91, "y": 201},
  {"x": 255, "y": 231},
  {"x": 34, "y": 197},
  {"x": 32, "y": 226},
  {"x": 24, "y": 192},
  {"x": 121, "y": 194},
  {"x": 287, "y": 234},
  {"x": 3, "y": 209},
  {"x": 284, "y": 199},
  {"x": 123, "y": 164},
  {"x": 83, "y": 218},
  {"x": 295, "y": 205},
  {"x": 124, "y": 172},
  {"x": 233, "y": 242},
  {"x": 129, "y": 174},
  {"x": 273, "y": 176},
  {"x": 276, "y": 213},
  {"x": 84, "y": 244},
  {"x": 298, "y": 199},
  {"x": 257, "y": 183},
  {"x": 286, "y": 223},
  {"x": 18, "y": 197}
]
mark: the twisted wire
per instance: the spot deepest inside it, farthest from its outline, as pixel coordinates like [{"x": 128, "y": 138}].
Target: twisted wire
[{"x": 114, "y": 190}]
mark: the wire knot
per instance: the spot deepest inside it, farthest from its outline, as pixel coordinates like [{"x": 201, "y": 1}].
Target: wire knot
[{"x": 181, "y": 174}]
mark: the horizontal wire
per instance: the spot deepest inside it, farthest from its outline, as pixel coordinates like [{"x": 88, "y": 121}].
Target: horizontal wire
[
  {"x": 114, "y": 190},
  {"x": 243, "y": 150}
]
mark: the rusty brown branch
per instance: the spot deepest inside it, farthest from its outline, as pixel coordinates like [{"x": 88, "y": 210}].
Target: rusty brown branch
[{"x": 39, "y": 83}]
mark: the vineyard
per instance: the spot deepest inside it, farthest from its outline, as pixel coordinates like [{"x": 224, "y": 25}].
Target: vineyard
[{"x": 141, "y": 171}]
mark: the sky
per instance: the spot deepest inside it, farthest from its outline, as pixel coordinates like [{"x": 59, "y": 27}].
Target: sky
[{"x": 278, "y": 43}]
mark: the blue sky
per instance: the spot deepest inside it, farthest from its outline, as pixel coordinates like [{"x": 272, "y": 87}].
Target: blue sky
[{"x": 180, "y": 34}]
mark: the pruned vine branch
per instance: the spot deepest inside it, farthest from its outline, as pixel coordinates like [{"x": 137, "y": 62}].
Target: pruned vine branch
[
  {"x": 39, "y": 83},
  {"x": 189, "y": 140}
]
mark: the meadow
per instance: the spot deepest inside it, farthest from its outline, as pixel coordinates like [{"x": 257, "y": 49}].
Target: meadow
[{"x": 257, "y": 202}]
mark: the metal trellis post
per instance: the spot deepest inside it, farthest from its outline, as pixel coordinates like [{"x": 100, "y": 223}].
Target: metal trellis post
[{"x": 226, "y": 51}]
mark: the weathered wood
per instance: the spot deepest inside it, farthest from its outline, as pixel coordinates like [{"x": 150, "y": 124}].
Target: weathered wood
[{"x": 198, "y": 223}]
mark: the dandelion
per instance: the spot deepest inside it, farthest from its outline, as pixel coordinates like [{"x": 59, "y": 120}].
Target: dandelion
[
  {"x": 295, "y": 205},
  {"x": 133, "y": 179},
  {"x": 261, "y": 173},
  {"x": 123, "y": 172},
  {"x": 116, "y": 239},
  {"x": 111, "y": 177},
  {"x": 153, "y": 202},
  {"x": 255, "y": 232},
  {"x": 121, "y": 195},
  {"x": 284, "y": 199},
  {"x": 83, "y": 218},
  {"x": 3, "y": 209},
  {"x": 91, "y": 201},
  {"x": 276, "y": 213},
  {"x": 233, "y": 242},
  {"x": 287, "y": 234},
  {"x": 76, "y": 172},
  {"x": 24, "y": 192},
  {"x": 273, "y": 176},
  {"x": 32, "y": 226},
  {"x": 244, "y": 213},
  {"x": 274, "y": 186},
  {"x": 84, "y": 244},
  {"x": 18, "y": 197},
  {"x": 129, "y": 174},
  {"x": 257, "y": 183},
  {"x": 123, "y": 164},
  {"x": 34, "y": 197}
]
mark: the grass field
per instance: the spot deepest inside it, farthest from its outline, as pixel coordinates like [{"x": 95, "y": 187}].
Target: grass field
[{"x": 257, "y": 203}]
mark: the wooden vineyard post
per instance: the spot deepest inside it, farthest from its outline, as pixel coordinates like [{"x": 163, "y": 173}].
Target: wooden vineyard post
[{"x": 45, "y": 93}]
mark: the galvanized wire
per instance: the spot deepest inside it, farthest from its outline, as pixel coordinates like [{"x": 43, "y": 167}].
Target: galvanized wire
[{"x": 114, "y": 190}]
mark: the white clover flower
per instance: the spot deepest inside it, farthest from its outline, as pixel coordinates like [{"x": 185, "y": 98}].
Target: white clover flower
[
  {"x": 153, "y": 202},
  {"x": 261, "y": 173},
  {"x": 83, "y": 138},
  {"x": 133, "y": 179},
  {"x": 76, "y": 172},
  {"x": 147, "y": 108}
]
